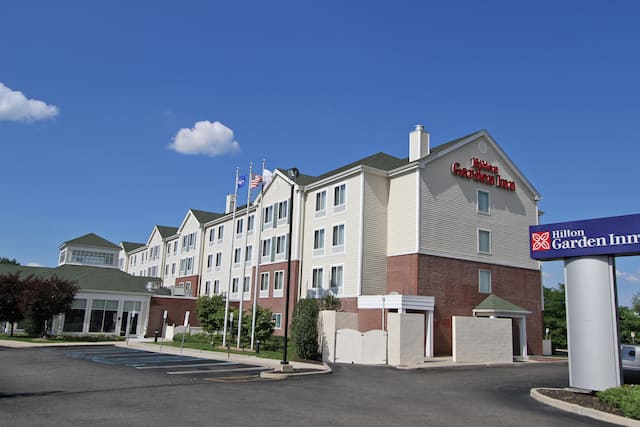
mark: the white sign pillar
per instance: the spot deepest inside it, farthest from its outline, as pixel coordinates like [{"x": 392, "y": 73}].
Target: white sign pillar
[{"x": 592, "y": 325}]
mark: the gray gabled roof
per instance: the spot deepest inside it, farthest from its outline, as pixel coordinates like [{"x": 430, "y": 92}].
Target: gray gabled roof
[
  {"x": 93, "y": 240},
  {"x": 204, "y": 216},
  {"x": 495, "y": 304},
  {"x": 131, "y": 246},
  {"x": 89, "y": 278},
  {"x": 166, "y": 231}
]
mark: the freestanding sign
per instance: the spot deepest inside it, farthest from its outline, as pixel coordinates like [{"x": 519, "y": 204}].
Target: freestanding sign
[{"x": 588, "y": 249}]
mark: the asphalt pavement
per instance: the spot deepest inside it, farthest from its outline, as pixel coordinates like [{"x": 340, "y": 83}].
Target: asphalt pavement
[{"x": 45, "y": 386}]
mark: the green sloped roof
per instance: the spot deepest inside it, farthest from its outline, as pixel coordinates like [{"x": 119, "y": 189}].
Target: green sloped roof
[
  {"x": 89, "y": 278},
  {"x": 382, "y": 161},
  {"x": 131, "y": 246},
  {"x": 204, "y": 216},
  {"x": 495, "y": 303},
  {"x": 166, "y": 231},
  {"x": 92, "y": 239}
]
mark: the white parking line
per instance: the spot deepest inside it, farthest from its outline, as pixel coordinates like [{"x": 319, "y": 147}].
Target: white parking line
[
  {"x": 209, "y": 371},
  {"x": 186, "y": 366}
]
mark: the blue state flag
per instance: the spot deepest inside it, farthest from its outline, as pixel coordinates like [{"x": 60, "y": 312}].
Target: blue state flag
[{"x": 242, "y": 180}]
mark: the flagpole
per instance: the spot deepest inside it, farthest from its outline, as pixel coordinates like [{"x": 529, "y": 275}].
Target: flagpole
[
  {"x": 233, "y": 220},
  {"x": 255, "y": 287},
  {"x": 244, "y": 262}
]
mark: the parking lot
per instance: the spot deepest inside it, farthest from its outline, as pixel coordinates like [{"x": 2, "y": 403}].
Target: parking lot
[{"x": 169, "y": 364}]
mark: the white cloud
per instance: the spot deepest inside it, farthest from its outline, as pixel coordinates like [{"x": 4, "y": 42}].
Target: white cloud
[
  {"x": 33, "y": 264},
  {"x": 14, "y": 106},
  {"x": 211, "y": 139},
  {"x": 629, "y": 277}
]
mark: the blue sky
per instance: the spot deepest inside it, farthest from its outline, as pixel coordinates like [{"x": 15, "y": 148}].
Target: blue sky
[{"x": 96, "y": 92}]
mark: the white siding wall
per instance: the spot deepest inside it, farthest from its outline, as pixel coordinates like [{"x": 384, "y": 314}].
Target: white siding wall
[
  {"x": 350, "y": 217},
  {"x": 401, "y": 219},
  {"x": 449, "y": 212},
  {"x": 171, "y": 258},
  {"x": 374, "y": 247}
]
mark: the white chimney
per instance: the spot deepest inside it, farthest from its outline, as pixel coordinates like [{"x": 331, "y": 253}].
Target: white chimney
[
  {"x": 230, "y": 203},
  {"x": 418, "y": 143}
]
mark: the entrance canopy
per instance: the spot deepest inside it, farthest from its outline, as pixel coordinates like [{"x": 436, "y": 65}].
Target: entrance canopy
[{"x": 494, "y": 306}]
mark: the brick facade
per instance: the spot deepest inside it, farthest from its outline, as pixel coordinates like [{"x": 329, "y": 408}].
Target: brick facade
[
  {"x": 176, "y": 308},
  {"x": 276, "y": 304}
]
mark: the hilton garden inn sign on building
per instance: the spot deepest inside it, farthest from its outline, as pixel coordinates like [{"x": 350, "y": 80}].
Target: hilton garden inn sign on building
[{"x": 435, "y": 233}]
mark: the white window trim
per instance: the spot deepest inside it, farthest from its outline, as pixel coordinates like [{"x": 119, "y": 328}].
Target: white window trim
[
  {"x": 488, "y": 212},
  {"x": 317, "y": 292},
  {"x": 264, "y": 293},
  {"x": 276, "y": 315},
  {"x": 285, "y": 219},
  {"x": 278, "y": 293},
  {"x": 339, "y": 249},
  {"x": 340, "y": 289},
  {"x": 480, "y": 282},
  {"x": 342, "y": 207},
  {"x": 323, "y": 212},
  {"x": 478, "y": 241},
  {"x": 282, "y": 255}
]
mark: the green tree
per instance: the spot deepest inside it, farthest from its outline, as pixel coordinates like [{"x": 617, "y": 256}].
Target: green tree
[
  {"x": 210, "y": 312},
  {"x": 555, "y": 315},
  {"x": 12, "y": 296},
  {"x": 46, "y": 298},
  {"x": 264, "y": 324},
  {"x": 635, "y": 302},
  {"x": 330, "y": 302},
  {"x": 4, "y": 260},
  {"x": 304, "y": 328},
  {"x": 628, "y": 321}
]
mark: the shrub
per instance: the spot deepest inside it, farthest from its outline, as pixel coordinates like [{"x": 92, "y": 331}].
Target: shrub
[
  {"x": 626, "y": 398},
  {"x": 304, "y": 328}
]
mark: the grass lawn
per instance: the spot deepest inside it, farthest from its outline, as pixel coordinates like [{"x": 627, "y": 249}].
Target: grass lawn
[{"x": 277, "y": 355}]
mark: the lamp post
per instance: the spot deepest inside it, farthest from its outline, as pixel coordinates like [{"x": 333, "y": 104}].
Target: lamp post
[{"x": 284, "y": 364}]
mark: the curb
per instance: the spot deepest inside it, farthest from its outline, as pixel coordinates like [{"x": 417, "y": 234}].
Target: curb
[
  {"x": 579, "y": 410},
  {"x": 273, "y": 375}
]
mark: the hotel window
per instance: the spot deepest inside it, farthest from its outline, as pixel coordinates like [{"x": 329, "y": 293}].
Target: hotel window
[
  {"x": 216, "y": 287},
  {"x": 337, "y": 240},
  {"x": 237, "y": 255},
  {"x": 339, "y": 199},
  {"x": 281, "y": 245},
  {"x": 337, "y": 280},
  {"x": 483, "y": 202},
  {"x": 250, "y": 224},
  {"x": 63, "y": 257},
  {"x": 277, "y": 320},
  {"x": 267, "y": 217},
  {"x": 209, "y": 262},
  {"x": 316, "y": 282},
  {"x": 264, "y": 285},
  {"x": 239, "y": 225},
  {"x": 321, "y": 203},
  {"x": 283, "y": 211},
  {"x": 166, "y": 269},
  {"x": 212, "y": 235},
  {"x": 278, "y": 283},
  {"x": 173, "y": 268},
  {"x": 190, "y": 265},
  {"x": 484, "y": 281},
  {"x": 207, "y": 288},
  {"x": 234, "y": 285},
  {"x": 318, "y": 241},
  {"x": 74, "y": 317},
  {"x": 218, "y": 260},
  {"x": 175, "y": 247},
  {"x": 248, "y": 255},
  {"x": 266, "y": 248},
  {"x": 104, "y": 315},
  {"x": 484, "y": 241},
  {"x": 187, "y": 289},
  {"x": 220, "y": 233}
]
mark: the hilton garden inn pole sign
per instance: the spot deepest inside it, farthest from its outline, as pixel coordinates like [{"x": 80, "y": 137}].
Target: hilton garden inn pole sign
[
  {"x": 588, "y": 249},
  {"x": 618, "y": 235}
]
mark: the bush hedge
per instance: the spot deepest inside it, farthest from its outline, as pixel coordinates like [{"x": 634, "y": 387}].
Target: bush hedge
[
  {"x": 304, "y": 329},
  {"x": 626, "y": 398}
]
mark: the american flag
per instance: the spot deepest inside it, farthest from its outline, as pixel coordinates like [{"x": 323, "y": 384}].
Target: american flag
[{"x": 255, "y": 181}]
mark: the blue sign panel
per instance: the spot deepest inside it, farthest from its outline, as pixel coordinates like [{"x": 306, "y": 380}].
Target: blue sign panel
[{"x": 617, "y": 235}]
